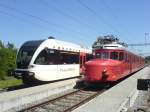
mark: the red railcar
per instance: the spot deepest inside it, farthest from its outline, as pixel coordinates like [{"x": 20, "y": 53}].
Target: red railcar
[{"x": 111, "y": 62}]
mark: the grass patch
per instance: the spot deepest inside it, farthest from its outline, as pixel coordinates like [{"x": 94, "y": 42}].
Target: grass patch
[{"x": 10, "y": 82}]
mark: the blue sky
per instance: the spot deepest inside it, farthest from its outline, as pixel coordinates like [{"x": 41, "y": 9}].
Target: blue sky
[{"x": 77, "y": 21}]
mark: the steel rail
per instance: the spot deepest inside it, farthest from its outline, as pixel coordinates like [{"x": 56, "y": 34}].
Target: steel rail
[{"x": 65, "y": 103}]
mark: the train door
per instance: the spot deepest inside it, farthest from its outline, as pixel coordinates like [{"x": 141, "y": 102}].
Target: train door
[
  {"x": 122, "y": 65},
  {"x": 68, "y": 64},
  {"x": 82, "y": 59},
  {"x": 88, "y": 57},
  {"x": 130, "y": 62},
  {"x": 126, "y": 63}
]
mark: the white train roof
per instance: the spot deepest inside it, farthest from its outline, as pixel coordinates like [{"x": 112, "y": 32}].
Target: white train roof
[
  {"x": 114, "y": 46},
  {"x": 110, "y": 46},
  {"x": 62, "y": 45}
]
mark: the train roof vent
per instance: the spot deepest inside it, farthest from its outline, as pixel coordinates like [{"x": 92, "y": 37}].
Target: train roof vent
[{"x": 51, "y": 37}]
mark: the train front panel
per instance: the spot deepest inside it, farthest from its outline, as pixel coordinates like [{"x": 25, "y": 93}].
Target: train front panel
[{"x": 102, "y": 70}]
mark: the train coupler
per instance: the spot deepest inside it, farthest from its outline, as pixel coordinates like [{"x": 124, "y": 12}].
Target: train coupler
[{"x": 104, "y": 75}]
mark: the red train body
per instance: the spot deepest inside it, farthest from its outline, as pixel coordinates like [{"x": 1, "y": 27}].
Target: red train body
[{"x": 111, "y": 63}]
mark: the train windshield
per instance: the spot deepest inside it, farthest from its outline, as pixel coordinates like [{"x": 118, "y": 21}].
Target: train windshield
[
  {"x": 25, "y": 54},
  {"x": 102, "y": 55},
  {"x": 114, "y": 55}
]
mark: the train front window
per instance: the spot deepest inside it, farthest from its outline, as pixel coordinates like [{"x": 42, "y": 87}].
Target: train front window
[
  {"x": 114, "y": 55},
  {"x": 26, "y": 52},
  {"x": 25, "y": 55},
  {"x": 102, "y": 55},
  {"x": 98, "y": 55}
]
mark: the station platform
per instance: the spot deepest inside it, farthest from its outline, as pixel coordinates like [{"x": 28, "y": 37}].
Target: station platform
[
  {"x": 19, "y": 99},
  {"x": 118, "y": 98}
]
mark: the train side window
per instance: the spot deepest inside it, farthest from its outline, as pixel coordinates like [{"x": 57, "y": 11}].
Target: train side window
[
  {"x": 121, "y": 56},
  {"x": 69, "y": 58},
  {"x": 46, "y": 57},
  {"x": 129, "y": 58},
  {"x": 74, "y": 58},
  {"x": 135, "y": 59},
  {"x": 114, "y": 55},
  {"x": 126, "y": 57},
  {"x": 132, "y": 59},
  {"x": 41, "y": 58}
]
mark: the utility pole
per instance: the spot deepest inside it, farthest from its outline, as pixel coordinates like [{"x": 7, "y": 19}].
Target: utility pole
[{"x": 146, "y": 34}]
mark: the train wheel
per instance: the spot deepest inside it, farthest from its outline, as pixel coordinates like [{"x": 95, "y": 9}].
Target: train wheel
[
  {"x": 28, "y": 81},
  {"x": 79, "y": 84}
]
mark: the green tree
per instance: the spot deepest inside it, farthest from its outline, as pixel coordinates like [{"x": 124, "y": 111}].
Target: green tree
[
  {"x": 1, "y": 44},
  {"x": 11, "y": 58},
  {"x": 3, "y": 61},
  {"x": 7, "y": 59},
  {"x": 10, "y": 46}
]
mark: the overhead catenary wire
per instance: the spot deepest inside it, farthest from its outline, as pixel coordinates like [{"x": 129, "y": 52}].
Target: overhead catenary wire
[
  {"x": 109, "y": 9},
  {"x": 41, "y": 19},
  {"x": 115, "y": 17},
  {"x": 22, "y": 19},
  {"x": 140, "y": 44},
  {"x": 131, "y": 46},
  {"x": 56, "y": 9},
  {"x": 97, "y": 16},
  {"x": 27, "y": 22}
]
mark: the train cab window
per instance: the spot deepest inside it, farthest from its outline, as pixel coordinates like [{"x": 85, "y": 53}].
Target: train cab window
[
  {"x": 102, "y": 55},
  {"x": 121, "y": 56},
  {"x": 25, "y": 55},
  {"x": 98, "y": 55},
  {"x": 114, "y": 55}
]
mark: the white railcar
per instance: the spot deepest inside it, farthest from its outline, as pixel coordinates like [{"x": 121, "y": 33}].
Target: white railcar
[{"x": 50, "y": 60}]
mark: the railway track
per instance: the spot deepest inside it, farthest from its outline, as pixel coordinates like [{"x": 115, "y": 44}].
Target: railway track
[
  {"x": 65, "y": 103},
  {"x": 23, "y": 86}
]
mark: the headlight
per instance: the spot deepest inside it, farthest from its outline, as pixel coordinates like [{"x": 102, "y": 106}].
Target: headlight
[
  {"x": 105, "y": 70},
  {"x": 104, "y": 74},
  {"x": 30, "y": 73},
  {"x": 30, "y": 66}
]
